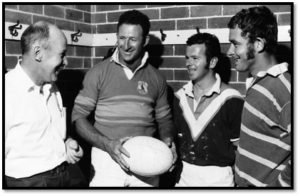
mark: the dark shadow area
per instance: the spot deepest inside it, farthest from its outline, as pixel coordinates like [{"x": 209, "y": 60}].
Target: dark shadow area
[
  {"x": 70, "y": 83},
  {"x": 109, "y": 53},
  {"x": 284, "y": 54},
  {"x": 223, "y": 68},
  {"x": 155, "y": 50}
]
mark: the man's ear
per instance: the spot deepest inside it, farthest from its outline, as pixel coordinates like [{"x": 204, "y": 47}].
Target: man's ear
[
  {"x": 37, "y": 50},
  {"x": 213, "y": 62},
  {"x": 147, "y": 38},
  {"x": 260, "y": 44}
]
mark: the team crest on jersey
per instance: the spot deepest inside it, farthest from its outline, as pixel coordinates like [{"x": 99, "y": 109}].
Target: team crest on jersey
[{"x": 142, "y": 87}]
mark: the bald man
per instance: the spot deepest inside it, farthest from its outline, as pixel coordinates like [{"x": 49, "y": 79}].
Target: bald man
[{"x": 37, "y": 151}]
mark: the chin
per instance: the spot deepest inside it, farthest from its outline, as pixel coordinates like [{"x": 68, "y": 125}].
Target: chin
[
  {"x": 129, "y": 62},
  {"x": 54, "y": 78},
  {"x": 193, "y": 79},
  {"x": 240, "y": 69}
]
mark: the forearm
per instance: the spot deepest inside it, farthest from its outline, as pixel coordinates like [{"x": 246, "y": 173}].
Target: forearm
[
  {"x": 91, "y": 134},
  {"x": 167, "y": 130},
  {"x": 167, "y": 135}
]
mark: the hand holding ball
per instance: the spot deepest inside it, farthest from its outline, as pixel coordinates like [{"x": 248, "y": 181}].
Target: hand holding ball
[{"x": 148, "y": 156}]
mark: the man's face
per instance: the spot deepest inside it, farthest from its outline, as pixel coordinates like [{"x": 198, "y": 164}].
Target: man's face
[
  {"x": 196, "y": 62},
  {"x": 130, "y": 43},
  {"x": 241, "y": 51},
  {"x": 54, "y": 58}
]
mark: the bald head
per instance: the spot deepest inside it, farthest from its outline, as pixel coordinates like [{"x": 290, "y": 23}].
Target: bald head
[
  {"x": 44, "y": 48},
  {"x": 41, "y": 32}
]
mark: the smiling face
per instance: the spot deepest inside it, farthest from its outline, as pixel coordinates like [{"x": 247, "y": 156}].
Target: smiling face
[
  {"x": 53, "y": 58},
  {"x": 131, "y": 44},
  {"x": 241, "y": 51},
  {"x": 196, "y": 62}
]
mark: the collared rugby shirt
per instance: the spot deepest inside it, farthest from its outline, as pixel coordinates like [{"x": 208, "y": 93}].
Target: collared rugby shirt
[
  {"x": 264, "y": 151},
  {"x": 125, "y": 104}
]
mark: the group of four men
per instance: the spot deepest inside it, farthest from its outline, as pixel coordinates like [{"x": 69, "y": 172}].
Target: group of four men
[{"x": 223, "y": 138}]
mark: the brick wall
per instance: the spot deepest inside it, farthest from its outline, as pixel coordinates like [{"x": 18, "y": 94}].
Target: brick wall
[{"x": 169, "y": 59}]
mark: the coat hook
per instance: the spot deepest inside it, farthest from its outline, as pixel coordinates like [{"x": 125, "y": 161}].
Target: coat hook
[
  {"x": 74, "y": 36},
  {"x": 163, "y": 36},
  {"x": 197, "y": 29},
  {"x": 13, "y": 28}
]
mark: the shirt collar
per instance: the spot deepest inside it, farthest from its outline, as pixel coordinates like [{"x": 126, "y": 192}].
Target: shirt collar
[
  {"x": 115, "y": 58},
  {"x": 273, "y": 71},
  {"x": 25, "y": 81},
  {"x": 216, "y": 88}
]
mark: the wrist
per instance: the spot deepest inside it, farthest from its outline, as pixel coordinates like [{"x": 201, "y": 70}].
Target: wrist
[{"x": 168, "y": 139}]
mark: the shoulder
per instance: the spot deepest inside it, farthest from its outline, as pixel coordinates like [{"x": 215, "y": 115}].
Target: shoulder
[
  {"x": 179, "y": 94},
  {"x": 285, "y": 81},
  {"x": 156, "y": 78},
  {"x": 9, "y": 75},
  {"x": 154, "y": 72},
  {"x": 282, "y": 81},
  {"x": 101, "y": 65},
  {"x": 11, "y": 78},
  {"x": 229, "y": 92},
  {"x": 98, "y": 69},
  {"x": 278, "y": 88},
  {"x": 287, "y": 75}
]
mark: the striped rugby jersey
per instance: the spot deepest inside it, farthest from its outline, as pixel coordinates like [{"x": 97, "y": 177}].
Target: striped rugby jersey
[
  {"x": 123, "y": 106},
  {"x": 264, "y": 151}
]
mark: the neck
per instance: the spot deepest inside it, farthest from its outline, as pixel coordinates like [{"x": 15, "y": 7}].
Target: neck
[
  {"x": 31, "y": 69},
  {"x": 133, "y": 66},
  {"x": 204, "y": 84},
  {"x": 263, "y": 64}
]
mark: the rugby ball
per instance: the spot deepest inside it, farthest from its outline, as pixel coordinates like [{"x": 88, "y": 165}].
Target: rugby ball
[{"x": 148, "y": 156}]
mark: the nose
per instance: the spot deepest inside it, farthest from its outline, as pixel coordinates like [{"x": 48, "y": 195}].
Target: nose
[
  {"x": 127, "y": 44},
  {"x": 230, "y": 51},
  {"x": 188, "y": 62}
]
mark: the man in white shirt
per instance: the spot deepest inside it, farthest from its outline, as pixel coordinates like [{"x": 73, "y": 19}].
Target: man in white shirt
[{"x": 37, "y": 151}]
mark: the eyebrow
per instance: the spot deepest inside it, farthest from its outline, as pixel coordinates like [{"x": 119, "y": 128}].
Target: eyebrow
[{"x": 192, "y": 56}]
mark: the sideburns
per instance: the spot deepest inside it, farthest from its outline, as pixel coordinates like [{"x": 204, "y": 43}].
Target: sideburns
[{"x": 250, "y": 51}]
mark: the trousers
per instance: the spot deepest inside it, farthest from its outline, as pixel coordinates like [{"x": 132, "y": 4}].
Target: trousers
[
  {"x": 105, "y": 172},
  {"x": 64, "y": 175},
  {"x": 205, "y": 176}
]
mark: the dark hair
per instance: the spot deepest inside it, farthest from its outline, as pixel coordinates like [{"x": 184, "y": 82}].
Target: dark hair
[
  {"x": 257, "y": 22},
  {"x": 136, "y": 18},
  {"x": 35, "y": 32},
  {"x": 211, "y": 42}
]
